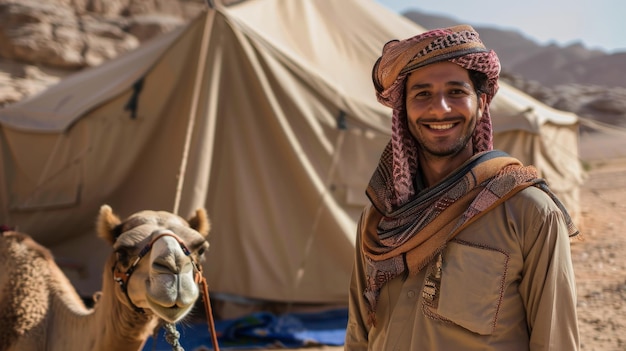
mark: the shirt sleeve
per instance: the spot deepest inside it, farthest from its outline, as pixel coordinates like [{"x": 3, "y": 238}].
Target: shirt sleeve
[
  {"x": 548, "y": 285},
  {"x": 357, "y": 329}
]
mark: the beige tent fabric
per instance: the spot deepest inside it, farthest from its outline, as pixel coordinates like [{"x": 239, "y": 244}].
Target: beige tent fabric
[
  {"x": 286, "y": 135},
  {"x": 543, "y": 136}
]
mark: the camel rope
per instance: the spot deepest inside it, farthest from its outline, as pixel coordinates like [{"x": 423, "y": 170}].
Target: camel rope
[
  {"x": 172, "y": 336},
  {"x": 209, "y": 312}
]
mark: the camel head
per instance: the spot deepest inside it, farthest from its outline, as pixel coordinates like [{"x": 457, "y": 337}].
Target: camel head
[{"x": 157, "y": 256}]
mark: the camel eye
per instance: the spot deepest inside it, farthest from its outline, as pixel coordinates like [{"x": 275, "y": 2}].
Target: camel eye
[{"x": 201, "y": 251}]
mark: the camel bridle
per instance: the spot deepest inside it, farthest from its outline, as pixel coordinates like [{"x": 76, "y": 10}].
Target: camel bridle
[{"x": 121, "y": 278}]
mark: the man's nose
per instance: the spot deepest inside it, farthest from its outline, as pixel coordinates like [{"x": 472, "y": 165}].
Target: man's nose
[{"x": 439, "y": 105}]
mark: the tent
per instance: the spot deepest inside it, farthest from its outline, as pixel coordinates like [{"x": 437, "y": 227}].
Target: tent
[
  {"x": 263, "y": 112},
  {"x": 545, "y": 137}
]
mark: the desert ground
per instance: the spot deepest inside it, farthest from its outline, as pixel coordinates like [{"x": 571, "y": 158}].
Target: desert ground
[
  {"x": 599, "y": 260},
  {"x": 599, "y": 254}
]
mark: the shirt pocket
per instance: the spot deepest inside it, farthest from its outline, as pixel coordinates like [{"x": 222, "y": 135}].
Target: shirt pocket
[{"x": 472, "y": 285}]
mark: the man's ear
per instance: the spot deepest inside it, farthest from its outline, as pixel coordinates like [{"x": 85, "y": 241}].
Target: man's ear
[{"x": 482, "y": 105}]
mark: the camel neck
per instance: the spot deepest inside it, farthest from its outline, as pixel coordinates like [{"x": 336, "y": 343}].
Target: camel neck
[{"x": 110, "y": 325}]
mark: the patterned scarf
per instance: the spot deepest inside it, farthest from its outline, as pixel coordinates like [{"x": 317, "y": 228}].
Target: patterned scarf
[{"x": 390, "y": 244}]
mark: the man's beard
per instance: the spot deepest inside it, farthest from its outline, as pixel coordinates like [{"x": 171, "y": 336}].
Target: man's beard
[{"x": 459, "y": 146}]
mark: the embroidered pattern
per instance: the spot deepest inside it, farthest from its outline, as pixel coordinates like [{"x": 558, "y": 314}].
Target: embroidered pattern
[{"x": 432, "y": 284}]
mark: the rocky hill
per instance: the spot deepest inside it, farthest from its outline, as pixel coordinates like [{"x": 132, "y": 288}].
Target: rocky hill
[
  {"x": 587, "y": 82},
  {"x": 42, "y": 42}
]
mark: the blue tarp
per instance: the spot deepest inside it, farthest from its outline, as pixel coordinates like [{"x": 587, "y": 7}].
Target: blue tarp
[{"x": 262, "y": 330}]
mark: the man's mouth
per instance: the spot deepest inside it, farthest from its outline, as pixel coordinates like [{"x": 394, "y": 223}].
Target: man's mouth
[{"x": 440, "y": 126}]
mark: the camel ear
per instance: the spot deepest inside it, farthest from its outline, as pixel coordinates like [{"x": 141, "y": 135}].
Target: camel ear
[
  {"x": 200, "y": 222},
  {"x": 108, "y": 224}
]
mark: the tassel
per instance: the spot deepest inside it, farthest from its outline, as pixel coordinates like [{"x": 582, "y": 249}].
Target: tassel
[{"x": 371, "y": 319}]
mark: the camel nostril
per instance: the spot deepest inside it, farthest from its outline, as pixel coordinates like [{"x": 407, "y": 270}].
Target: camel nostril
[
  {"x": 171, "y": 264},
  {"x": 164, "y": 267}
]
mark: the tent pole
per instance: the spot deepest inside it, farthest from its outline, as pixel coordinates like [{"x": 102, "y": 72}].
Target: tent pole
[{"x": 194, "y": 106}]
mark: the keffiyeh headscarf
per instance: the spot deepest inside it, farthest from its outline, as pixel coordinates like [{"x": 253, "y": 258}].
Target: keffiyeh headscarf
[{"x": 460, "y": 45}]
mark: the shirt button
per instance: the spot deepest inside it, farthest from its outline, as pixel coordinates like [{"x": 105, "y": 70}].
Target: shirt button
[{"x": 411, "y": 294}]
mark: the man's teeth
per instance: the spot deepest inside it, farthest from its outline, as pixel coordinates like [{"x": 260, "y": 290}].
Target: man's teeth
[{"x": 441, "y": 126}]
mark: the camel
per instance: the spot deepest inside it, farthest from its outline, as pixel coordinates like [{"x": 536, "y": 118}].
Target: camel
[{"x": 149, "y": 278}]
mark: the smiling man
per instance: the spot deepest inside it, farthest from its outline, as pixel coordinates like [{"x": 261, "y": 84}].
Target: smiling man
[{"x": 462, "y": 246}]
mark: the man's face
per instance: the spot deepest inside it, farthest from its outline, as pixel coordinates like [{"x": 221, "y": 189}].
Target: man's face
[{"x": 442, "y": 108}]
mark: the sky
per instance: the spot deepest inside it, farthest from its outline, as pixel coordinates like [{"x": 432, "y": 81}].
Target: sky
[{"x": 597, "y": 24}]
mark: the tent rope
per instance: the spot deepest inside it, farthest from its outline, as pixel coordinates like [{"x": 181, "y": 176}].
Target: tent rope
[
  {"x": 204, "y": 46},
  {"x": 318, "y": 213},
  {"x": 602, "y": 127}
]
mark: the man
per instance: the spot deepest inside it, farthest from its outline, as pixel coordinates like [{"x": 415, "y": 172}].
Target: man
[{"x": 462, "y": 247}]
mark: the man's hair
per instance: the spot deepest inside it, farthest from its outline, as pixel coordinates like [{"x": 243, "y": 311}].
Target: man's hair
[{"x": 480, "y": 81}]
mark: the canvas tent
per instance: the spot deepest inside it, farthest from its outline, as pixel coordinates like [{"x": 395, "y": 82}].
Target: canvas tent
[
  {"x": 263, "y": 112},
  {"x": 544, "y": 137}
]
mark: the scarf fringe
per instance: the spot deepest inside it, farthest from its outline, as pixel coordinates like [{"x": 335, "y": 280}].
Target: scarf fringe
[{"x": 371, "y": 319}]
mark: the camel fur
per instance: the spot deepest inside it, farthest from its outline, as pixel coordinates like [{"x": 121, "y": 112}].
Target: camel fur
[{"x": 41, "y": 311}]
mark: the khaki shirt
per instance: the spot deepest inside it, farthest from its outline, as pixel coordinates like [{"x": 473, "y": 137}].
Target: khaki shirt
[{"x": 505, "y": 283}]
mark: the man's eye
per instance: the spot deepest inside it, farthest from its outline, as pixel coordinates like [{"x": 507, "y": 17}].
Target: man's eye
[{"x": 458, "y": 92}]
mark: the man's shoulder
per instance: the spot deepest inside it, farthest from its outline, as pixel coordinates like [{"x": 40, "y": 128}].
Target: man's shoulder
[{"x": 533, "y": 197}]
